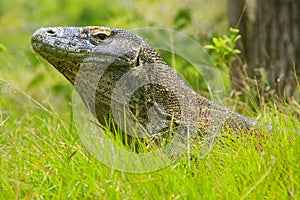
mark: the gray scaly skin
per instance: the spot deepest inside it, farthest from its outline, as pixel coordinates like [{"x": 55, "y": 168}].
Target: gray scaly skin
[{"x": 96, "y": 60}]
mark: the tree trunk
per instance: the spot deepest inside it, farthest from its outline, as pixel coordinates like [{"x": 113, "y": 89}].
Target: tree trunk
[{"x": 273, "y": 50}]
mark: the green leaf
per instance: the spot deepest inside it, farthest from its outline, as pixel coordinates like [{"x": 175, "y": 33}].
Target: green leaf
[{"x": 209, "y": 47}]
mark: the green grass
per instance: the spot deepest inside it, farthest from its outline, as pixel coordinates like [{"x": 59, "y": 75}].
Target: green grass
[{"x": 42, "y": 157}]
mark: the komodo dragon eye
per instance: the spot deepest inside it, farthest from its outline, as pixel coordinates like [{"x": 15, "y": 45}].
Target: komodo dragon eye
[{"x": 99, "y": 35}]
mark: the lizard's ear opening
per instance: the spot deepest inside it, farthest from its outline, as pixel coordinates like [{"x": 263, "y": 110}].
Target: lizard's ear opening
[{"x": 138, "y": 62}]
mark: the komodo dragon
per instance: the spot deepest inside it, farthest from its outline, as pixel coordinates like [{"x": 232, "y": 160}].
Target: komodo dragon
[{"x": 96, "y": 60}]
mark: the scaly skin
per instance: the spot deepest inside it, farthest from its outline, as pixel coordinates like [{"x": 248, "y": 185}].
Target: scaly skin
[{"x": 104, "y": 65}]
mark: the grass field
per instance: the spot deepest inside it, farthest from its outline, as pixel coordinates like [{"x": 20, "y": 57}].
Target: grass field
[{"x": 43, "y": 157}]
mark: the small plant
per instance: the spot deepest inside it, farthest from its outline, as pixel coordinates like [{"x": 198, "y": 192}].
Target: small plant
[{"x": 223, "y": 49}]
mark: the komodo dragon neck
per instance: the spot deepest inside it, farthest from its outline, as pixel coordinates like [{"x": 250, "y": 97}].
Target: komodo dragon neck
[{"x": 96, "y": 59}]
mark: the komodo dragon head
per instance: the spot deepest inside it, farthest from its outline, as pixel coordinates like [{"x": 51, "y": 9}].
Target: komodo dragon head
[{"x": 66, "y": 48}]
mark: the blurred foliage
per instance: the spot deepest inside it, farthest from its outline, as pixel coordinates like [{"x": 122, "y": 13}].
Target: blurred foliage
[
  {"x": 183, "y": 18},
  {"x": 3, "y": 49}
]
